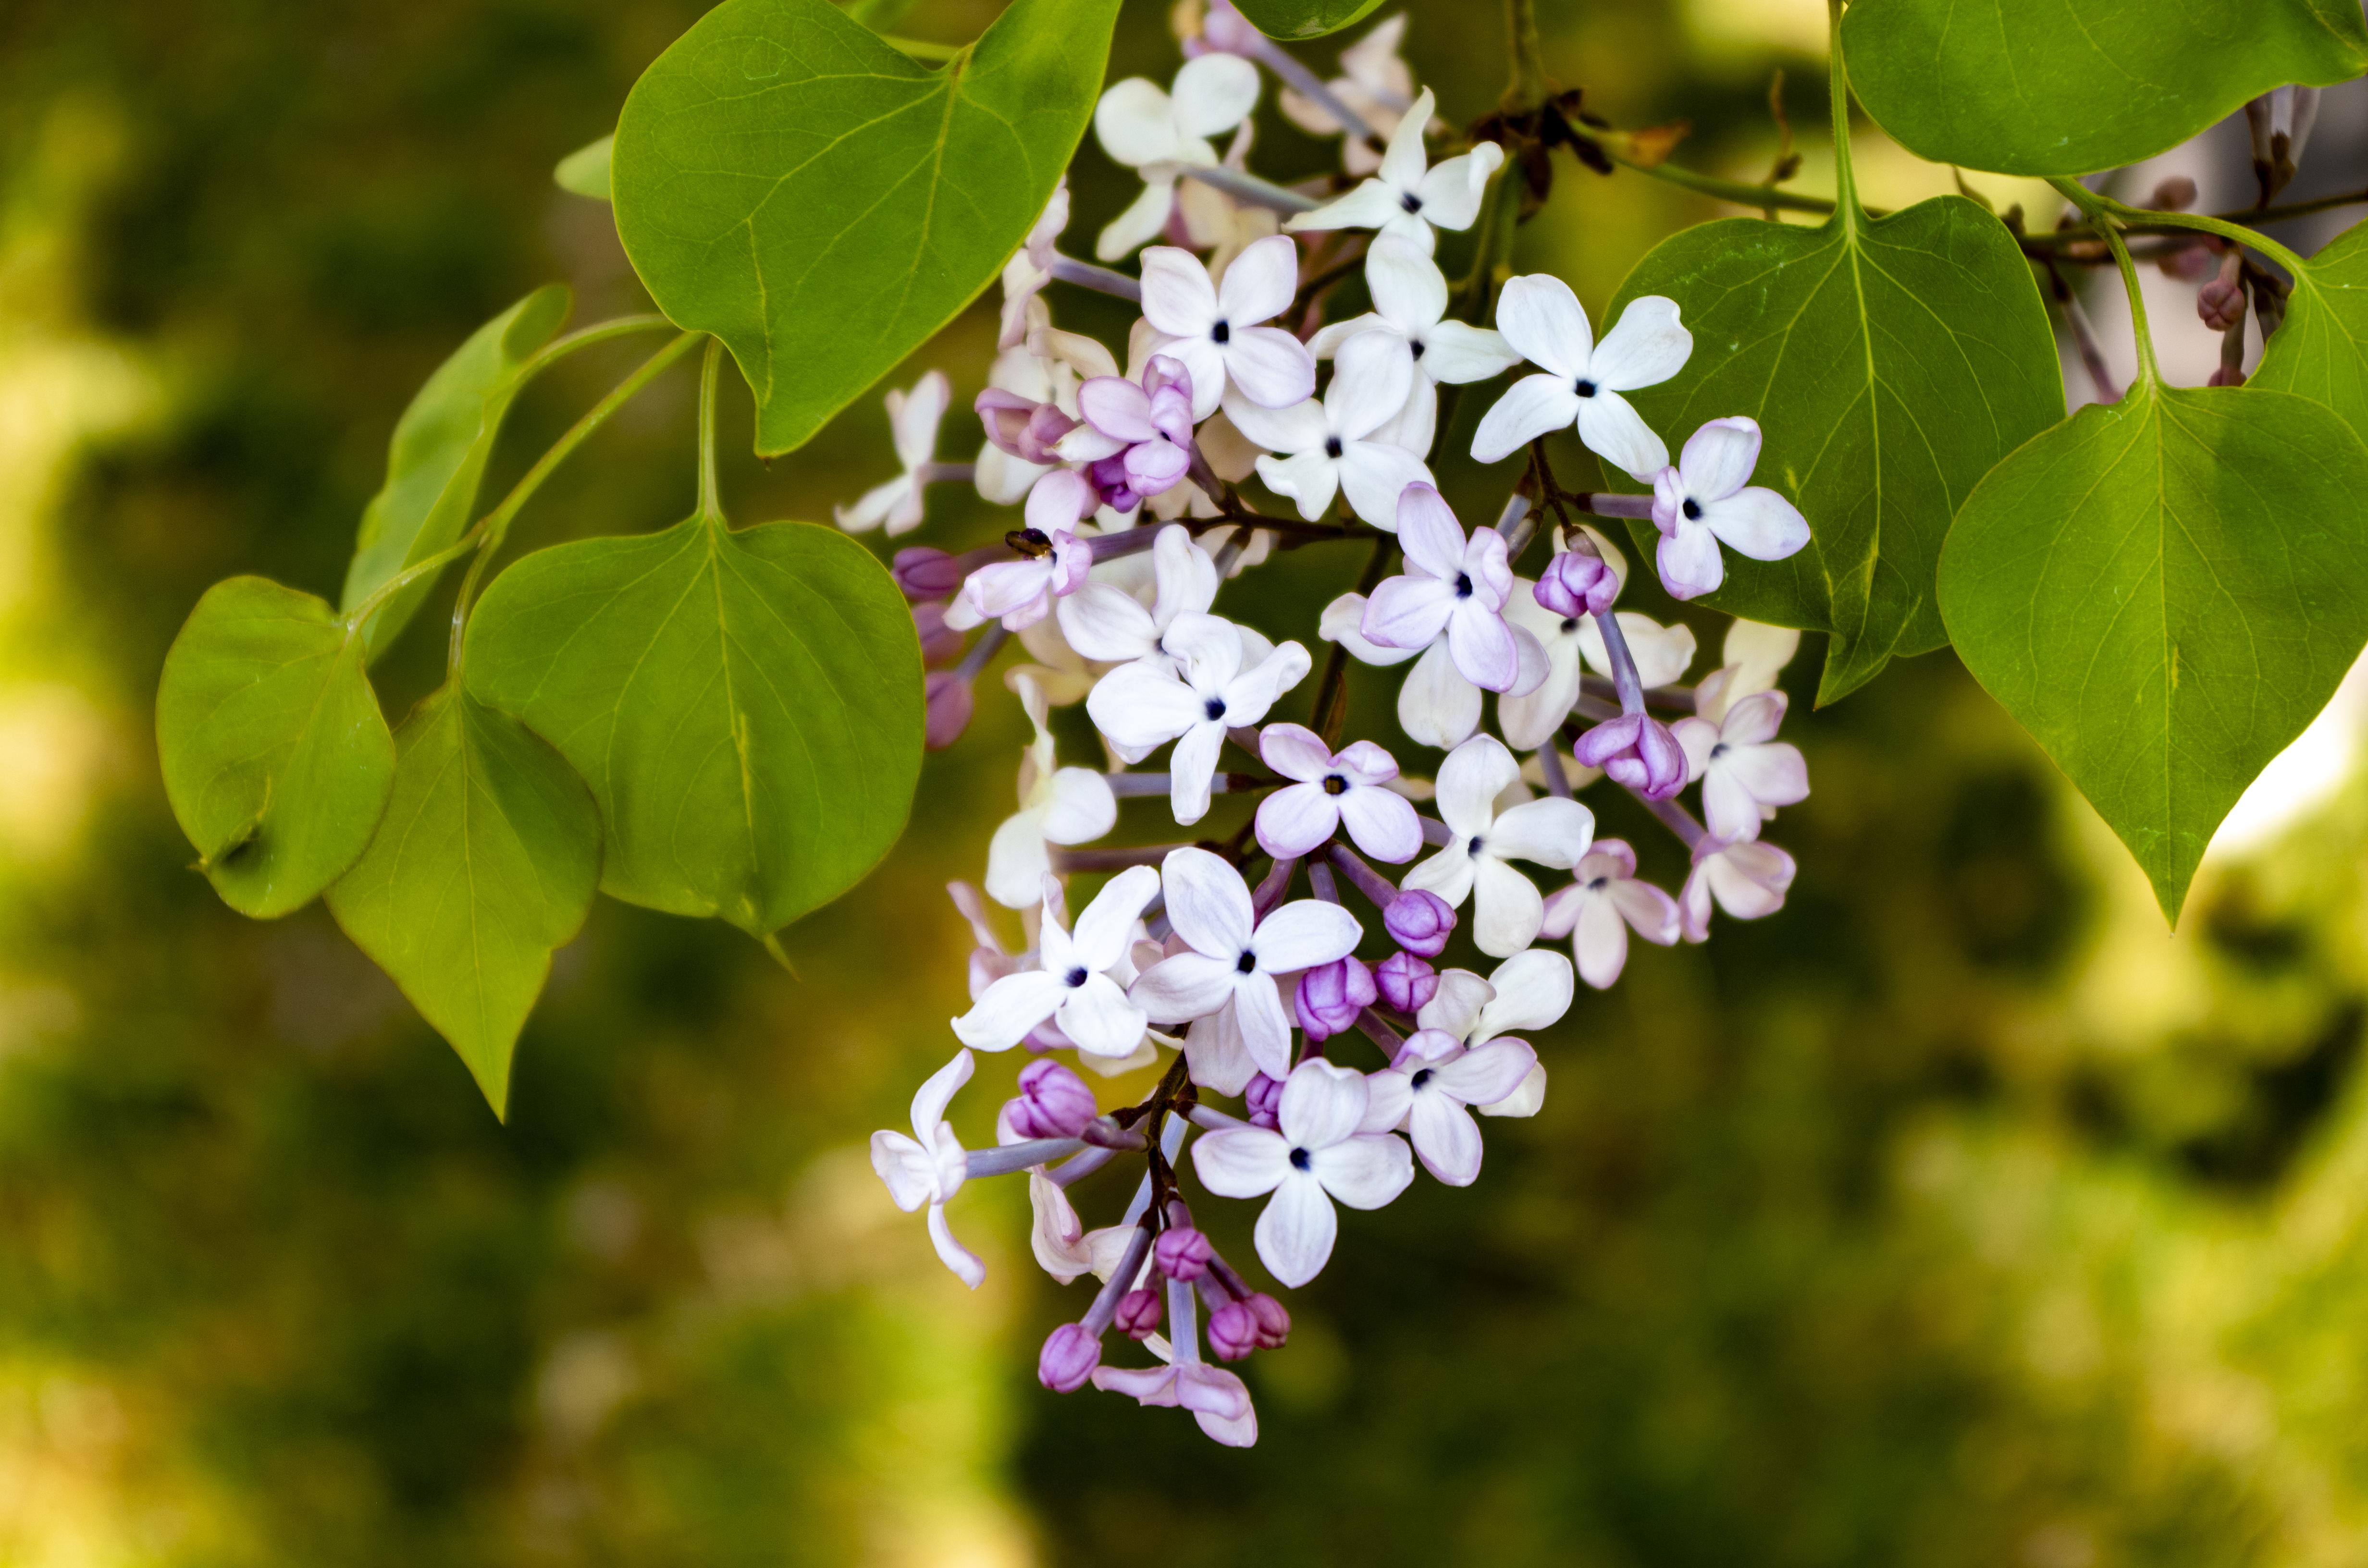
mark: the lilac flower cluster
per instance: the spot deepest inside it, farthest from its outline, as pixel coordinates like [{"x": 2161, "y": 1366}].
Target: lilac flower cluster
[{"x": 1128, "y": 477}]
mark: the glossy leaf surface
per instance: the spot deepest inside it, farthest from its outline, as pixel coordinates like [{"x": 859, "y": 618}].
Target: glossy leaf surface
[
  {"x": 1305, "y": 18},
  {"x": 823, "y": 203},
  {"x": 485, "y": 861},
  {"x": 436, "y": 460},
  {"x": 746, "y": 707},
  {"x": 2321, "y": 352},
  {"x": 2071, "y": 86},
  {"x": 274, "y": 755},
  {"x": 1890, "y": 362},
  {"x": 2165, "y": 592}
]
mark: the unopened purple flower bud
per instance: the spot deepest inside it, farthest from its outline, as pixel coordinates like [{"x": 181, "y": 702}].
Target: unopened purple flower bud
[
  {"x": 2221, "y": 303},
  {"x": 1637, "y": 751},
  {"x": 1182, "y": 1252},
  {"x": 1068, "y": 1359},
  {"x": 947, "y": 693},
  {"x": 927, "y": 574},
  {"x": 1226, "y": 29},
  {"x": 1578, "y": 582},
  {"x": 941, "y": 643},
  {"x": 1053, "y": 1102},
  {"x": 1138, "y": 1315},
  {"x": 1407, "y": 982},
  {"x": 1331, "y": 995},
  {"x": 1420, "y": 922},
  {"x": 1022, "y": 426},
  {"x": 1263, "y": 1099},
  {"x": 1273, "y": 1323},
  {"x": 1233, "y": 1331},
  {"x": 2222, "y": 376},
  {"x": 1111, "y": 482},
  {"x": 2174, "y": 194}
]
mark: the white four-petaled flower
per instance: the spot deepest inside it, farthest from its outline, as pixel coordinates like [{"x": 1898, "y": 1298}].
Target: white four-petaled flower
[
  {"x": 1158, "y": 133},
  {"x": 1409, "y": 295},
  {"x": 1337, "y": 446},
  {"x": 1748, "y": 879},
  {"x": 1058, "y": 805},
  {"x": 1554, "y": 832},
  {"x": 1103, "y": 621},
  {"x": 1071, "y": 984},
  {"x": 1708, "y": 500},
  {"x": 1214, "y": 329},
  {"x": 1597, "y": 910},
  {"x": 1192, "y": 693},
  {"x": 1583, "y": 378},
  {"x": 1227, "y": 972},
  {"x": 1427, "y": 1089},
  {"x": 1746, "y": 771},
  {"x": 1331, "y": 790},
  {"x": 1406, "y": 198},
  {"x": 1316, "y": 1156},
  {"x": 1454, "y": 591},
  {"x": 929, "y": 1167}
]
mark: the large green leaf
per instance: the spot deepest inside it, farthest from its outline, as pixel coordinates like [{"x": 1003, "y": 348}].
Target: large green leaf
[
  {"x": 2071, "y": 86},
  {"x": 276, "y": 757},
  {"x": 485, "y": 861},
  {"x": 1890, "y": 363},
  {"x": 2164, "y": 592},
  {"x": 1305, "y": 18},
  {"x": 436, "y": 459},
  {"x": 2321, "y": 352},
  {"x": 746, "y": 706},
  {"x": 824, "y": 204}
]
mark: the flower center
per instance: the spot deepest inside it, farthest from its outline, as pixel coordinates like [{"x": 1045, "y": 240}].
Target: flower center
[
  {"x": 1718, "y": 750},
  {"x": 1569, "y": 624},
  {"x": 1464, "y": 585},
  {"x": 1331, "y": 446},
  {"x": 1246, "y": 963},
  {"x": 1221, "y": 333},
  {"x": 1074, "y": 978},
  {"x": 1473, "y": 847},
  {"x": 1335, "y": 785},
  {"x": 1421, "y": 1079},
  {"x": 1301, "y": 1160},
  {"x": 1415, "y": 344},
  {"x": 1599, "y": 884},
  {"x": 1583, "y": 387},
  {"x": 1692, "y": 509},
  {"x": 1214, "y": 707},
  {"x": 1410, "y": 201}
]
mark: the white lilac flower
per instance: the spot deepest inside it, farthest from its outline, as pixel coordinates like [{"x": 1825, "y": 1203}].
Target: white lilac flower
[
  {"x": 1331, "y": 790},
  {"x": 1374, "y": 82},
  {"x": 1507, "y": 908},
  {"x": 1030, "y": 267},
  {"x": 1748, "y": 880},
  {"x": 1530, "y": 991},
  {"x": 1750, "y": 659},
  {"x": 1316, "y": 1156},
  {"x": 1406, "y": 199},
  {"x": 1334, "y": 447},
  {"x": 1746, "y": 772},
  {"x": 1157, "y": 133},
  {"x": 1542, "y": 318},
  {"x": 1707, "y": 500},
  {"x": 1229, "y": 965},
  {"x": 1453, "y": 592},
  {"x": 929, "y": 1167},
  {"x": 1427, "y": 1089},
  {"x": 913, "y": 417},
  {"x": 1213, "y": 327},
  {"x": 1072, "y": 983},
  {"x": 1597, "y": 911},
  {"x": 1409, "y": 295},
  {"x": 1193, "y": 694},
  {"x": 1058, "y": 805},
  {"x": 1021, "y": 592},
  {"x": 1437, "y": 705},
  {"x": 1108, "y": 624}
]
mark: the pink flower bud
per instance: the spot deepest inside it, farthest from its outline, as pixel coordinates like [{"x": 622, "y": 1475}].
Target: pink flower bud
[
  {"x": 1227, "y": 30},
  {"x": 1407, "y": 984},
  {"x": 948, "y": 695},
  {"x": 1068, "y": 1359},
  {"x": 1023, "y": 428},
  {"x": 1262, "y": 1097},
  {"x": 1578, "y": 582},
  {"x": 2221, "y": 303},
  {"x": 927, "y": 574},
  {"x": 1273, "y": 1323},
  {"x": 1332, "y": 995},
  {"x": 941, "y": 643},
  {"x": 1138, "y": 1314},
  {"x": 1233, "y": 1331},
  {"x": 2175, "y": 194},
  {"x": 1419, "y": 922},
  {"x": 1182, "y": 1252},
  {"x": 1637, "y": 751},
  {"x": 1054, "y": 1102}
]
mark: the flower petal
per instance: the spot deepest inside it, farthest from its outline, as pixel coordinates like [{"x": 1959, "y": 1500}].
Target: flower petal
[
  {"x": 1447, "y": 873},
  {"x": 1107, "y": 623},
  {"x": 1545, "y": 832},
  {"x": 1369, "y": 378},
  {"x": 1305, "y": 935},
  {"x": 1264, "y": 1023},
  {"x": 1483, "y": 647},
  {"x": 1759, "y": 523},
  {"x": 1373, "y": 475},
  {"x": 1369, "y": 206},
  {"x": 1446, "y": 1137},
  {"x": 1408, "y": 612},
  {"x": 952, "y": 1254},
  {"x": 1186, "y": 986},
  {"x": 1259, "y": 281},
  {"x": 1544, "y": 322},
  {"x": 1191, "y": 769},
  {"x": 1382, "y": 822},
  {"x": 1208, "y": 903},
  {"x": 1241, "y": 1162},
  {"x": 1536, "y": 405},
  {"x": 1600, "y": 941},
  {"x": 1437, "y": 707},
  {"x": 1214, "y": 93},
  {"x": 1614, "y": 431},
  {"x": 1012, "y": 1006},
  {"x": 1718, "y": 459},
  {"x": 1296, "y": 752},
  {"x": 1456, "y": 353},
  {"x": 1298, "y": 428},
  {"x": 1099, "y": 1019},
  {"x": 1099, "y": 939},
  {"x": 1688, "y": 561},
  {"x": 1135, "y": 122},
  {"x": 1366, "y": 1171},
  {"x": 1388, "y": 1094},
  {"x": 1266, "y": 365},
  {"x": 1293, "y": 821},
  {"x": 1177, "y": 298},
  {"x": 1406, "y": 286},
  {"x": 1486, "y": 1074},
  {"x": 1451, "y": 192},
  {"x": 1321, "y": 1104},
  {"x": 1143, "y": 705},
  {"x": 1532, "y": 991},
  {"x": 1404, "y": 161},
  {"x": 1343, "y": 623},
  {"x": 1251, "y": 693},
  {"x": 1310, "y": 479},
  {"x": 1647, "y": 348},
  {"x": 1296, "y": 1229},
  {"x": 1430, "y": 534},
  {"x": 1474, "y": 775},
  {"x": 1505, "y": 908},
  {"x": 908, "y": 1169},
  {"x": 1017, "y": 859}
]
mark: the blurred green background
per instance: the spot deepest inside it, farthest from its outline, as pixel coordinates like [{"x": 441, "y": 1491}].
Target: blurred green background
[{"x": 1956, "y": 1215}]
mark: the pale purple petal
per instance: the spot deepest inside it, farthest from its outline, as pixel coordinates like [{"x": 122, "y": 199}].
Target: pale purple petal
[
  {"x": 1295, "y": 1232},
  {"x": 1321, "y": 1105},
  {"x": 1241, "y": 1162},
  {"x": 1366, "y": 1171},
  {"x": 1759, "y": 523},
  {"x": 1117, "y": 408},
  {"x": 1363, "y": 762},
  {"x": 1690, "y": 562},
  {"x": 1296, "y": 752},
  {"x": 1266, "y": 365},
  {"x": 1486, "y": 1074},
  {"x": 1293, "y": 821},
  {"x": 1532, "y": 991},
  {"x": 1446, "y": 1137},
  {"x": 906, "y": 1167},
  {"x": 1600, "y": 942},
  {"x": 1429, "y": 534},
  {"x": 1191, "y": 768},
  {"x": 1718, "y": 459},
  {"x": 1437, "y": 707},
  {"x": 1215, "y": 1048},
  {"x": 1409, "y": 611},
  {"x": 1250, "y": 693},
  {"x": 1099, "y": 1019},
  {"x": 1482, "y": 646},
  {"x": 1012, "y": 1006},
  {"x": 1188, "y": 986},
  {"x": 1177, "y": 298},
  {"x": 952, "y": 1254},
  {"x": 1653, "y": 912},
  {"x": 1382, "y": 822}
]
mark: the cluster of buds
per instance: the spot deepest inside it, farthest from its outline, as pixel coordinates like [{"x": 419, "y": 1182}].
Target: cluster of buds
[{"x": 1304, "y": 1065}]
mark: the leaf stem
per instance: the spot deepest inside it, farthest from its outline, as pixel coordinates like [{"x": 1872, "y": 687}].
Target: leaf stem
[
  {"x": 710, "y": 504},
  {"x": 1528, "y": 87},
  {"x": 2098, "y": 209},
  {"x": 921, "y": 49},
  {"x": 1742, "y": 195},
  {"x": 1838, "y": 85},
  {"x": 585, "y": 337},
  {"x": 2236, "y": 232}
]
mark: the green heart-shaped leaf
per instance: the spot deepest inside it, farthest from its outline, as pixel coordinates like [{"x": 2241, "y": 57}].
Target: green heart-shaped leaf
[
  {"x": 824, "y": 204},
  {"x": 746, "y": 706},
  {"x": 485, "y": 861},
  {"x": 2164, "y": 592},
  {"x": 1890, "y": 363},
  {"x": 276, "y": 758},
  {"x": 1305, "y": 18},
  {"x": 2071, "y": 86},
  {"x": 2321, "y": 352},
  {"x": 436, "y": 459}
]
